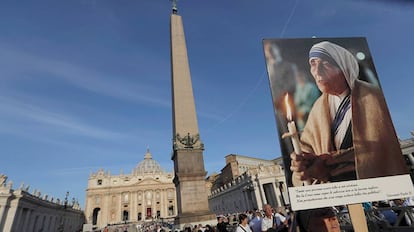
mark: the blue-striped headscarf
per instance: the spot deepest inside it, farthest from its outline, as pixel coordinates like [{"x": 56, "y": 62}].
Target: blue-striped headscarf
[{"x": 338, "y": 56}]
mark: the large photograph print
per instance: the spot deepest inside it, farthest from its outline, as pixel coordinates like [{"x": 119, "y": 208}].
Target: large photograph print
[{"x": 332, "y": 119}]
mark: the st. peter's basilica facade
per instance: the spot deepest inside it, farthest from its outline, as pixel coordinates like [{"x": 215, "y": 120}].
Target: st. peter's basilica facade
[{"x": 147, "y": 194}]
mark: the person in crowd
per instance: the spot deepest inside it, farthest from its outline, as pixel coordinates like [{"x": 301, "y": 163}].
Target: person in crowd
[
  {"x": 320, "y": 220},
  {"x": 267, "y": 221},
  {"x": 280, "y": 220},
  {"x": 243, "y": 224},
  {"x": 402, "y": 210},
  {"x": 208, "y": 228},
  {"x": 387, "y": 214},
  {"x": 222, "y": 225},
  {"x": 271, "y": 222},
  {"x": 249, "y": 215},
  {"x": 187, "y": 229},
  {"x": 234, "y": 220},
  {"x": 256, "y": 222},
  {"x": 409, "y": 201},
  {"x": 199, "y": 228}
]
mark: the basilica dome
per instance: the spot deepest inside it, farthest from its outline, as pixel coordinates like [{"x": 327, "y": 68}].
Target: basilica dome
[{"x": 148, "y": 166}]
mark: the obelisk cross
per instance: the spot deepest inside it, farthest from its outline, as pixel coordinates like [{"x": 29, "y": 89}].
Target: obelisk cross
[{"x": 174, "y": 6}]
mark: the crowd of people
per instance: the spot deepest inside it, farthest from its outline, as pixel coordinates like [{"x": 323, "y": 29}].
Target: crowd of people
[
  {"x": 398, "y": 212},
  {"x": 268, "y": 219},
  {"x": 152, "y": 226},
  {"x": 380, "y": 214}
]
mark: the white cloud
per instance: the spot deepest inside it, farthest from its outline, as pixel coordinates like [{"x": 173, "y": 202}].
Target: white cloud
[
  {"x": 16, "y": 64},
  {"x": 31, "y": 114}
]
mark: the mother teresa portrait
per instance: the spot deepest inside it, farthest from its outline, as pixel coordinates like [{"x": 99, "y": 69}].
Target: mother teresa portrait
[{"x": 349, "y": 134}]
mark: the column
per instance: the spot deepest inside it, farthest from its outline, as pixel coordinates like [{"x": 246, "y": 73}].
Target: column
[
  {"x": 105, "y": 203},
  {"x": 260, "y": 192},
  {"x": 18, "y": 218},
  {"x": 245, "y": 200},
  {"x": 410, "y": 158},
  {"x": 52, "y": 226},
  {"x": 49, "y": 225},
  {"x": 27, "y": 220},
  {"x": 166, "y": 202},
  {"x": 4, "y": 204},
  {"x": 120, "y": 209},
  {"x": 46, "y": 222},
  {"x": 32, "y": 219},
  {"x": 133, "y": 206},
  {"x": 175, "y": 204},
  {"x": 162, "y": 203},
  {"x": 154, "y": 203},
  {"x": 277, "y": 193},
  {"x": 143, "y": 206}
]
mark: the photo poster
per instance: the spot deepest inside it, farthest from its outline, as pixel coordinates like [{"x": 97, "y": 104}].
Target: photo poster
[{"x": 368, "y": 144}]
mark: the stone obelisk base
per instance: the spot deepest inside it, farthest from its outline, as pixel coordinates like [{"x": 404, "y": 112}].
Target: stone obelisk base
[{"x": 192, "y": 196}]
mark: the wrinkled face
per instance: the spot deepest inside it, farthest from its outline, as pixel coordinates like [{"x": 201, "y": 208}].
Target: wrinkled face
[
  {"x": 328, "y": 77},
  {"x": 268, "y": 210}
]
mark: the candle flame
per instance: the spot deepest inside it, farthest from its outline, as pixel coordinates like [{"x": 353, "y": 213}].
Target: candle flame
[{"x": 288, "y": 110}]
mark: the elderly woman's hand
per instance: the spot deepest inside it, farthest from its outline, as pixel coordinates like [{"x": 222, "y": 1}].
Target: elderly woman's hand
[{"x": 309, "y": 167}]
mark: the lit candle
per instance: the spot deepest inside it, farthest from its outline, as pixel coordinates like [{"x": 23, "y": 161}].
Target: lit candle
[
  {"x": 293, "y": 133},
  {"x": 292, "y": 128}
]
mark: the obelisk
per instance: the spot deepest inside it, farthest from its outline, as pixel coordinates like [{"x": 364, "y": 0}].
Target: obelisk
[{"x": 189, "y": 179}]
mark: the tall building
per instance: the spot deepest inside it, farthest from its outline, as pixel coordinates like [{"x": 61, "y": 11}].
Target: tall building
[
  {"x": 146, "y": 194},
  {"x": 21, "y": 210},
  {"x": 188, "y": 149}
]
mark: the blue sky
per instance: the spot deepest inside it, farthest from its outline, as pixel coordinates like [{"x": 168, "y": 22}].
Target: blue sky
[{"x": 85, "y": 84}]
